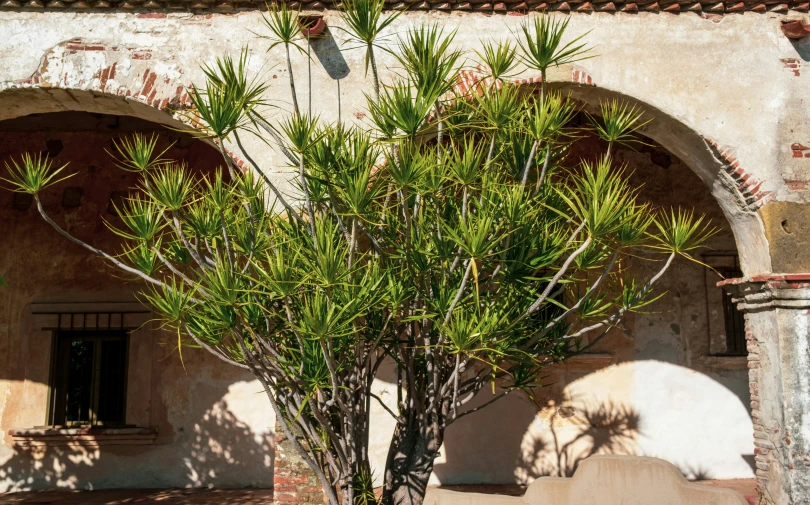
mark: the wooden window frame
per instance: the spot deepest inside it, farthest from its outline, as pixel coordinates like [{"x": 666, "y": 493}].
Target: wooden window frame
[
  {"x": 726, "y": 263},
  {"x": 57, "y": 400}
]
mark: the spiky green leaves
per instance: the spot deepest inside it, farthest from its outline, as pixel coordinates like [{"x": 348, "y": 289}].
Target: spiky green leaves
[
  {"x": 402, "y": 111},
  {"x": 218, "y": 109},
  {"x": 301, "y": 131},
  {"x": 426, "y": 55},
  {"x": 172, "y": 300},
  {"x": 32, "y": 173},
  {"x": 467, "y": 162},
  {"x": 142, "y": 216},
  {"x": 681, "y": 232},
  {"x": 365, "y": 22},
  {"x": 142, "y": 256},
  {"x": 169, "y": 186},
  {"x": 619, "y": 122},
  {"x": 138, "y": 152},
  {"x": 229, "y": 96},
  {"x": 549, "y": 117},
  {"x": 500, "y": 106},
  {"x": 408, "y": 165},
  {"x": 232, "y": 75},
  {"x": 600, "y": 197},
  {"x": 283, "y": 25},
  {"x": 542, "y": 46},
  {"x": 500, "y": 59},
  {"x": 478, "y": 236}
]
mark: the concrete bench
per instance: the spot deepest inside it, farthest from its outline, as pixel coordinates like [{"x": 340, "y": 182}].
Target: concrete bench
[{"x": 604, "y": 480}]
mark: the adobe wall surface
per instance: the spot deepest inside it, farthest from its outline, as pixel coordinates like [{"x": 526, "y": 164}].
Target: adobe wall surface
[
  {"x": 725, "y": 94},
  {"x": 725, "y": 91}
]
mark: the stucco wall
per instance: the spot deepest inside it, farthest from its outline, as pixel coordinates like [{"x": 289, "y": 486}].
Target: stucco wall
[
  {"x": 702, "y": 77},
  {"x": 724, "y": 101}
]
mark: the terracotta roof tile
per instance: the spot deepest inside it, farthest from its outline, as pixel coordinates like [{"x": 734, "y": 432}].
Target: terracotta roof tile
[{"x": 505, "y": 6}]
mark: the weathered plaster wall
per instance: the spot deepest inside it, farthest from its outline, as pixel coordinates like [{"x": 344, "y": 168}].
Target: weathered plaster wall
[
  {"x": 725, "y": 95},
  {"x": 214, "y": 423},
  {"x": 702, "y": 76}
]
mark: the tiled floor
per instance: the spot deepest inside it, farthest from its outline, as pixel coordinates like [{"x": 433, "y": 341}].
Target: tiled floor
[
  {"x": 747, "y": 487},
  {"x": 142, "y": 496}
]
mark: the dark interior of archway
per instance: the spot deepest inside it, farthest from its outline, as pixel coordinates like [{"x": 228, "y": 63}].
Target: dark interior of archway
[
  {"x": 665, "y": 181},
  {"x": 35, "y": 260}
]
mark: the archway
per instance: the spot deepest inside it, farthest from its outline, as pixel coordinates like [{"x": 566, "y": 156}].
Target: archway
[
  {"x": 186, "y": 425},
  {"x": 737, "y": 194},
  {"x": 674, "y": 384}
]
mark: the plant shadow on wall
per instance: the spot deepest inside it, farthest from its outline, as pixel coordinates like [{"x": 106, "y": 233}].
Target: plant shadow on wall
[
  {"x": 578, "y": 433},
  {"x": 221, "y": 441},
  {"x": 219, "y": 450},
  {"x": 571, "y": 432}
]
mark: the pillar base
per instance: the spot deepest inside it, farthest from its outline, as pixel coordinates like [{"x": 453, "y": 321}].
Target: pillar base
[{"x": 777, "y": 321}]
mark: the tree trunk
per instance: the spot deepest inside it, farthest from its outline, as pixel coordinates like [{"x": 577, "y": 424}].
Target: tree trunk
[{"x": 409, "y": 465}]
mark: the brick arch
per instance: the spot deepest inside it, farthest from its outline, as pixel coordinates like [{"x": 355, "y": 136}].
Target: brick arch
[
  {"x": 88, "y": 76},
  {"x": 119, "y": 70},
  {"x": 739, "y": 194}
]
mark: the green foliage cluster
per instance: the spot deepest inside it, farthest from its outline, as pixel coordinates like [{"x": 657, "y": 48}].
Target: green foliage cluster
[{"x": 454, "y": 238}]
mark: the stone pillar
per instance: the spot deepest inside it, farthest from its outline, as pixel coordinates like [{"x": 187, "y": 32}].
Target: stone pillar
[
  {"x": 777, "y": 309},
  {"x": 294, "y": 483}
]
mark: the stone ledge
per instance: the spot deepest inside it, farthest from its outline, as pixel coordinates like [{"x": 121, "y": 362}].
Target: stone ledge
[
  {"x": 768, "y": 291},
  {"x": 802, "y": 279},
  {"x": 86, "y": 437},
  {"x": 718, "y": 362},
  {"x": 589, "y": 360}
]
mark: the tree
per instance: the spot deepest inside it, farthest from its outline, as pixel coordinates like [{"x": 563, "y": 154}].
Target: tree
[{"x": 454, "y": 238}]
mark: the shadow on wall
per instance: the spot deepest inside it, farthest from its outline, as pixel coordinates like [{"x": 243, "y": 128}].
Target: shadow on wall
[
  {"x": 578, "y": 434},
  {"x": 643, "y": 408},
  {"x": 220, "y": 440},
  {"x": 570, "y": 435},
  {"x": 217, "y": 448}
]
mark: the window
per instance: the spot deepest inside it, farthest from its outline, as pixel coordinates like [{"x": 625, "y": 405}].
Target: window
[
  {"x": 726, "y": 321},
  {"x": 733, "y": 319},
  {"x": 88, "y": 386}
]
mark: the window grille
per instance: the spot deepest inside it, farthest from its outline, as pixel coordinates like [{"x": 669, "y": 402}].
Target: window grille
[
  {"x": 725, "y": 319},
  {"x": 89, "y": 370}
]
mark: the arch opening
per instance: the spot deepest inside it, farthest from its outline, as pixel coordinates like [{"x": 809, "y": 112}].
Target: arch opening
[
  {"x": 200, "y": 425},
  {"x": 706, "y": 160},
  {"x": 673, "y": 383}
]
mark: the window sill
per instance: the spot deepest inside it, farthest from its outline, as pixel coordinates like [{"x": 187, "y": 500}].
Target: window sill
[
  {"x": 719, "y": 362},
  {"x": 85, "y": 437},
  {"x": 588, "y": 361}
]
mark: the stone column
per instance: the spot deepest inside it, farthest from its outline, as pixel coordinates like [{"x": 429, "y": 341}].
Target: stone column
[{"x": 777, "y": 309}]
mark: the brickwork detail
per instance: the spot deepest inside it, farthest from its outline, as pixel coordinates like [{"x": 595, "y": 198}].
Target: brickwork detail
[
  {"x": 294, "y": 483},
  {"x": 800, "y": 150},
  {"x": 793, "y": 65},
  {"x": 470, "y": 81},
  {"x": 750, "y": 189},
  {"x": 762, "y": 445},
  {"x": 142, "y": 82},
  {"x": 148, "y": 8}
]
